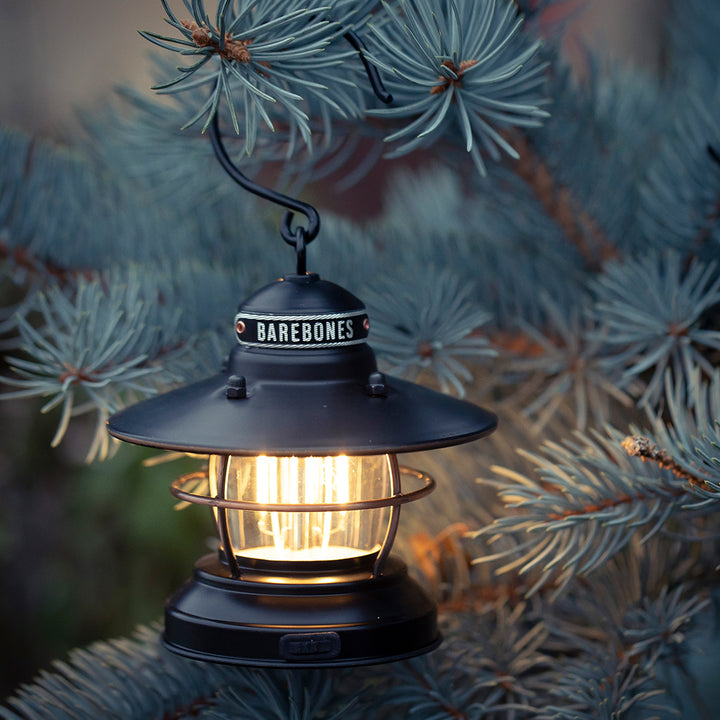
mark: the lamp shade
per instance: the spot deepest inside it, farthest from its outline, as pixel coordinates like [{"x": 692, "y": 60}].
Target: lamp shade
[{"x": 300, "y": 399}]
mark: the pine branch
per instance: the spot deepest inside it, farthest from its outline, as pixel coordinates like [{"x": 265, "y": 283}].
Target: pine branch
[
  {"x": 591, "y": 501},
  {"x": 650, "y": 313},
  {"x": 570, "y": 354},
  {"x": 659, "y": 627},
  {"x": 691, "y": 433},
  {"x": 637, "y": 612},
  {"x": 503, "y": 648},
  {"x": 711, "y": 219},
  {"x": 256, "y": 56},
  {"x": 124, "y": 679},
  {"x": 462, "y": 586},
  {"x": 444, "y": 693},
  {"x": 97, "y": 342},
  {"x": 615, "y": 691},
  {"x": 643, "y": 447},
  {"x": 412, "y": 332},
  {"x": 458, "y": 67},
  {"x": 24, "y": 260},
  {"x": 285, "y": 695},
  {"x": 581, "y": 229},
  {"x": 602, "y": 160},
  {"x": 681, "y": 198}
]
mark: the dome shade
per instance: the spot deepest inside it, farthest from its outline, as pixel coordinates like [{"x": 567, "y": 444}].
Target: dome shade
[
  {"x": 319, "y": 394},
  {"x": 313, "y": 418}
]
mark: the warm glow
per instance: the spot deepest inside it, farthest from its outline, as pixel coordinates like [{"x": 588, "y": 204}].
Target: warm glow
[{"x": 306, "y": 536}]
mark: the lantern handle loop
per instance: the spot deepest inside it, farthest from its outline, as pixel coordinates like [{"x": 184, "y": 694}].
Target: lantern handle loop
[{"x": 300, "y": 242}]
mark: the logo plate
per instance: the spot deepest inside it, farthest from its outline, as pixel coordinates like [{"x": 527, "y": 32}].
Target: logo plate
[
  {"x": 310, "y": 646},
  {"x": 308, "y": 332}
]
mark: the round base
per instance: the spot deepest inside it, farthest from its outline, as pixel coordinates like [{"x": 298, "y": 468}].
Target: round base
[{"x": 216, "y": 618}]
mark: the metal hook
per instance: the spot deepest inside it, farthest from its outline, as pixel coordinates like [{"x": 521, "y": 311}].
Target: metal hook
[
  {"x": 246, "y": 183},
  {"x": 372, "y": 72},
  {"x": 300, "y": 253},
  {"x": 300, "y": 237},
  {"x": 713, "y": 154}
]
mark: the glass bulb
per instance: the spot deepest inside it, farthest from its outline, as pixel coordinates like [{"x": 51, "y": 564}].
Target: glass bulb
[{"x": 309, "y": 535}]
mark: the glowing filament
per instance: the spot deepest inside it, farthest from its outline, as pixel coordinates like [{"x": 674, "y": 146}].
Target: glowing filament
[
  {"x": 306, "y": 481},
  {"x": 307, "y": 535}
]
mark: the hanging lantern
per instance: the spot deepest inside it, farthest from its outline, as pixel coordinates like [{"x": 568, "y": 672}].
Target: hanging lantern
[{"x": 302, "y": 433}]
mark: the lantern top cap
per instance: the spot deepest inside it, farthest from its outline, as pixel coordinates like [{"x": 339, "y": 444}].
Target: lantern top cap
[
  {"x": 301, "y": 312},
  {"x": 303, "y": 294}
]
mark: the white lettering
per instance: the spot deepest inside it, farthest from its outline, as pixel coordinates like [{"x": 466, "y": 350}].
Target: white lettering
[{"x": 305, "y": 332}]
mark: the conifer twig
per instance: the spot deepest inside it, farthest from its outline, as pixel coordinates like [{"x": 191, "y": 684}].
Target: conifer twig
[
  {"x": 711, "y": 219},
  {"x": 583, "y": 230},
  {"x": 24, "y": 259},
  {"x": 642, "y": 447}
]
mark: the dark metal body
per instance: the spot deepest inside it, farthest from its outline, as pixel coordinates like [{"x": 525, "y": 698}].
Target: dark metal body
[
  {"x": 302, "y": 401},
  {"x": 303, "y": 391},
  {"x": 335, "y": 623}
]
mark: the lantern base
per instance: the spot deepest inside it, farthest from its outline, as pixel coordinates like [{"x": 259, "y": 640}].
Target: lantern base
[{"x": 217, "y": 618}]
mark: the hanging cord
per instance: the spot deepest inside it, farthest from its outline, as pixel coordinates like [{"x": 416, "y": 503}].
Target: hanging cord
[{"x": 301, "y": 237}]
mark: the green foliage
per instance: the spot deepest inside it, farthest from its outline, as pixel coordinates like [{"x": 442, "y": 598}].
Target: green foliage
[
  {"x": 692, "y": 437},
  {"x": 90, "y": 329},
  {"x": 651, "y": 311},
  {"x": 265, "y": 52},
  {"x": 118, "y": 679},
  {"x": 588, "y": 502},
  {"x": 573, "y": 361},
  {"x": 445, "y": 325},
  {"x": 458, "y": 62}
]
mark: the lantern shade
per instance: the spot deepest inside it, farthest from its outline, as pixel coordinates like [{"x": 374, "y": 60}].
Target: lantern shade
[
  {"x": 286, "y": 417},
  {"x": 310, "y": 386}
]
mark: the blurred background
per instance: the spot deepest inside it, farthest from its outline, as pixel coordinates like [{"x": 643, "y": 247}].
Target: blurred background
[{"x": 87, "y": 552}]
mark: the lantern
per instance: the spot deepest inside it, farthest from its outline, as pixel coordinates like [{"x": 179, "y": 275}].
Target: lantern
[{"x": 302, "y": 433}]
